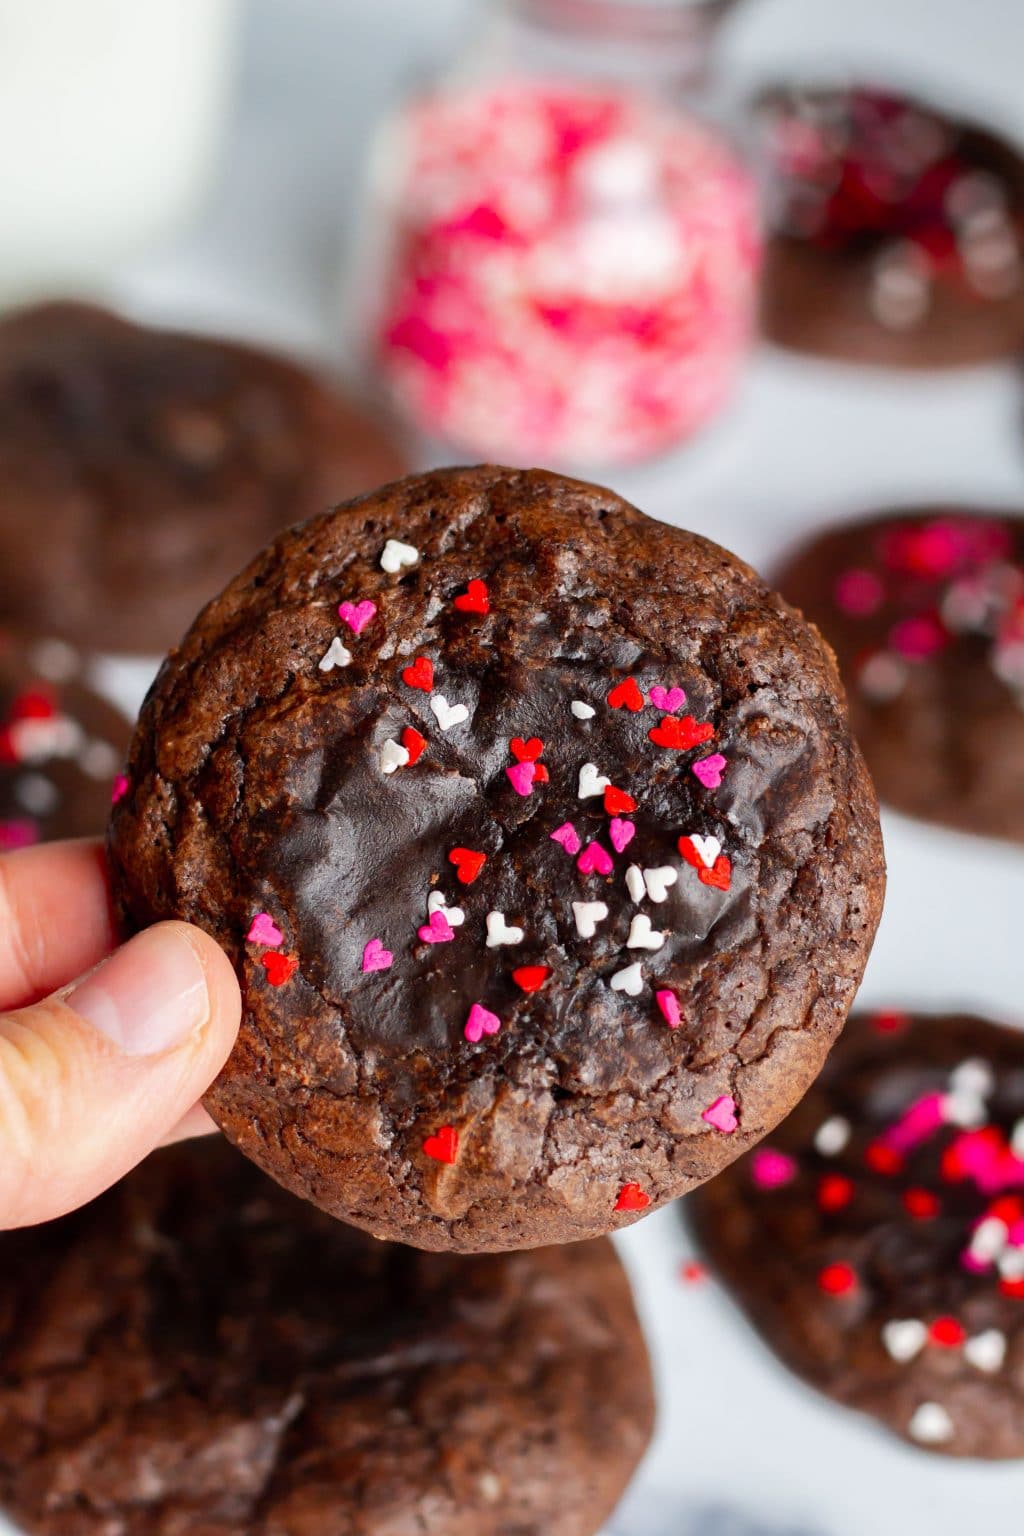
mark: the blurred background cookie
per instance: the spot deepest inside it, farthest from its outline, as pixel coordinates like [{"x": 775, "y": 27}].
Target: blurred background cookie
[{"x": 141, "y": 468}]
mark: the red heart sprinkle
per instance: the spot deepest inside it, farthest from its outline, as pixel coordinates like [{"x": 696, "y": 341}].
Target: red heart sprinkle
[
  {"x": 420, "y": 674},
  {"x": 530, "y": 978},
  {"x": 1012, "y": 1288},
  {"x": 475, "y": 599},
  {"x": 541, "y": 774},
  {"x": 34, "y": 704},
  {"x": 889, "y": 1021},
  {"x": 921, "y": 1204},
  {"x": 443, "y": 1146},
  {"x": 682, "y": 734},
  {"x": 883, "y": 1159},
  {"x": 947, "y": 1333},
  {"x": 632, "y": 1198},
  {"x": 413, "y": 743},
  {"x": 468, "y": 863},
  {"x": 526, "y": 751},
  {"x": 626, "y": 695},
  {"x": 837, "y": 1279},
  {"x": 719, "y": 875},
  {"x": 617, "y": 802},
  {"x": 835, "y": 1191},
  {"x": 279, "y": 968}
]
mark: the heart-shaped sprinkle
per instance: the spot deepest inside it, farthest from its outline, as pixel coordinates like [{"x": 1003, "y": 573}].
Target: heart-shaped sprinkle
[
  {"x": 588, "y": 914},
  {"x": 591, "y": 782},
  {"x": 682, "y": 734},
  {"x": 443, "y": 1146},
  {"x": 620, "y": 834},
  {"x": 526, "y": 751},
  {"x": 904, "y": 1337},
  {"x": 499, "y": 932},
  {"x": 438, "y": 930},
  {"x": 279, "y": 968},
  {"x": 722, "y": 1114},
  {"x": 641, "y": 935},
  {"x": 582, "y": 710},
  {"x": 947, "y": 1333},
  {"x": 475, "y": 599},
  {"x": 632, "y": 1198},
  {"x": 395, "y": 555},
  {"x": 595, "y": 859},
  {"x": 437, "y": 903},
  {"x": 468, "y": 863},
  {"x": 336, "y": 655},
  {"x": 357, "y": 615},
  {"x": 393, "y": 755},
  {"x": 521, "y": 777},
  {"x": 568, "y": 837},
  {"x": 626, "y": 695},
  {"x": 629, "y": 980},
  {"x": 119, "y": 788},
  {"x": 710, "y": 769},
  {"x": 657, "y": 882},
  {"x": 831, "y": 1136},
  {"x": 376, "y": 957},
  {"x": 419, "y": 674},
  {"x": 837, "y": 1279},
  {"x": 700, "y": 851},
  {"x": 448, "y": 714},
  {"x": 617, "y": 802},
  {"x": 668, "y": 699},
  {"x": 540, "y": 773},
  {"x": 930, "y": 1424},
  {"x": 530, "y": 978},
  {"x": 770, "y": 1169},
  {"x": 413, "y": 743},
  {"x": 263, "y": 930},
  {"x": 986, "y": 1351},
  {"x": 481, "y": 1021},
  {"x": 669, "y": 1005},
  {"x": 719, "y": 877},
  {"x": 635, "y": 883}
]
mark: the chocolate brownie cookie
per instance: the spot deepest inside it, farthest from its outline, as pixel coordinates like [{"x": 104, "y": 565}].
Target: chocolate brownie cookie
[
  {"x": 139, "y": 469},
  {"x": 537, "y": 835},
  {"x": 198, "y": 1352},
  {"x": 925, "y": 610},
  {"x": 877, "y": 1241},
  {"x": 62, "y": 746},
  {"x": 897, "y": 231}
]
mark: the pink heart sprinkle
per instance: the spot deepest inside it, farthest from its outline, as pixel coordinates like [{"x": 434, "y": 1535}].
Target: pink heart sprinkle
[
  {"x": 521, "y": 776},
  {"x": 669, "y": 1005},
  {"x": 569, "y": 838},
  {"x": 357, "y": 615},
  {"x": 710, "y": 769},
  {"x": 438, "y": 931},
  {"x": 263, "y": 930},
  {"x": 770, "y": 1169},
  {"x": 594, "y": 857},
  {"x": 667, "y": 699},
  {"x": 481, "y": 1022},
  {"x": 722, "y": 1114},
  {"x": 119, "y": 788},
  {"x": 376, "y": 957},
  {"x": 621, "y": 833}
]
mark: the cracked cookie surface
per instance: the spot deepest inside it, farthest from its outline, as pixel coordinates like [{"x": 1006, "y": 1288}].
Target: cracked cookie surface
[{"x": 537, "y": 835}]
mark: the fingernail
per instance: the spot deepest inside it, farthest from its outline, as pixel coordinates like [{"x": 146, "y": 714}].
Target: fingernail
[{"x": 148, "y": 997}]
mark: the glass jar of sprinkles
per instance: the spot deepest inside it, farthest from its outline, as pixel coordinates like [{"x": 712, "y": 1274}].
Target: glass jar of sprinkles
[{"x": 562, "y": 257}]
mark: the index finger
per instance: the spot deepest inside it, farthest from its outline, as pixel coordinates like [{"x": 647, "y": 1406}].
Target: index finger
[{"x": 55, "y": 917}]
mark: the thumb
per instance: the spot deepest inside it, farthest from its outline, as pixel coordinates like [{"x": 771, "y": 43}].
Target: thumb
[{"x": 94, "y": 1077}]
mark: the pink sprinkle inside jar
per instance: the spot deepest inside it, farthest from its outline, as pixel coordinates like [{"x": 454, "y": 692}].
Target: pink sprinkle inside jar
[{"x": 566, "y": 270}]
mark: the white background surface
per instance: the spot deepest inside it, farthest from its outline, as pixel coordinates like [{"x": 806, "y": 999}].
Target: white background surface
[{"x": 807, "y": 443}]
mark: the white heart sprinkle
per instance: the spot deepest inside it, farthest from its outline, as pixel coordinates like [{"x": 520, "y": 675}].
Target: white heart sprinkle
[
  {"x": 986, "y": 1351},
  {"x": 904, "y": 1338},
  {"x": 974, "y": 1077},
  {"x": 641, "y": 936},
  {"x": 658, "y": 881},
  {"x": 831, "y": 1136},
  {"x": 630, "y": 980},
  {"x": 1017, "y": 1140},
  {"x": 635, "y": 882},
  {"x": 336, "y": 655},
  {"x": 396, "y": 554},
  {"x": 931, "y": 1424},
  {"x": 588, "y": 914},
  {"x": 393, "y": 755},
  {"x": 500, "y": 932},
  {"x": 582, "y": 710},
  {"x": 448, "y": 714},
  {"x": 965, "y": 1110},
  {"x": 592, "y": 782},
  {"x": 1011, "y": 1263},
  {"x": 706, "y": 848},
  {"x": 436, "y": 903},
  {"x": 988, "y": 1239}
]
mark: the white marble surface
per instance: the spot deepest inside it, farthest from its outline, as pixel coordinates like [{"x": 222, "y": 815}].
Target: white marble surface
[{"x": 743, "y": 1449}]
